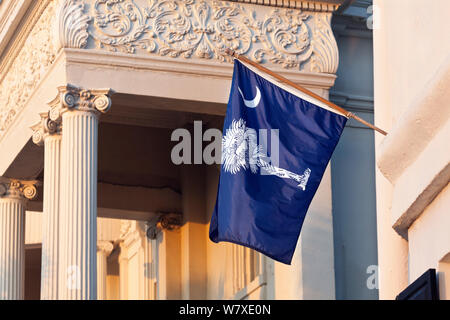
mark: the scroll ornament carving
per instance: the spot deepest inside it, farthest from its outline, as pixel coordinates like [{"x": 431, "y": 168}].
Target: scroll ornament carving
[
  {"x": 165, "y": 221},
  {"x": 188, "y": 28},
  {"x": 74, "y": 98},
  {"x": 33, "y": 60},
  {"x": 51, "y": 123},
  {"x": 17, "y": 189},
  {"x": 106, "y": 247},
  {"x": 73, "y": 24}
]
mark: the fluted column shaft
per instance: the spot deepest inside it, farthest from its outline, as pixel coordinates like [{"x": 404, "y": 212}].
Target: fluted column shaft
[
  {"x": 77, "y": 110},
  {"x": 47, "y": 132},
  {"x": 12, "y": 248},
  {"x": 13, "y": 197},
  {"x": 79, "y": 205},
  {"x": 104, "y": 249},
  {"x": 50, "y": 223}
]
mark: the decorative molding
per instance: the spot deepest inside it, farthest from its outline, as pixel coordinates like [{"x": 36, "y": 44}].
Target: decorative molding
[
  {"x": 297, "y": 39},
  {"x": 73, "y": 98},
  {"x": 47, "y": 126},
  {"x": 326, "y": 54},
  {"x": 311, "y": 5},
  {"x": 11, "y": 188},
  {"x": 30, "y": 64},
  {"x": 73, "y": 24},
  {"x": 132, "y": 238},
  {"x": 105, "y": 247},
  {"x": 203, "y": 29},
  {"x": 165, "y": 221},
  {"x": 69, "y": 98},
  {"x": 125, "y": 228}
]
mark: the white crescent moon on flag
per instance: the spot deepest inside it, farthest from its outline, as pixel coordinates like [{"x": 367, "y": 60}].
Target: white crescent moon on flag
[{"x": 251, "y": 103}]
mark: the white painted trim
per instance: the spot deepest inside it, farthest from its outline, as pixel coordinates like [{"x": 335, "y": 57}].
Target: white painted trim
[{"x": 11, "y": 13}]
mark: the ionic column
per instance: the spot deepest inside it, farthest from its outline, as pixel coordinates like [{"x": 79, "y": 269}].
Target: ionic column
[
  {"x": 78, "y": 246},
  {"x": 48, "y": 133},
  {"x": 104, "y": 249},
  {"x": 13, "y": 196}
]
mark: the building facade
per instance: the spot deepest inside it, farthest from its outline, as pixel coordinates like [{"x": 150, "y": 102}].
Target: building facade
[
  {"x": 92, "y": 205},
  {"x": 412, "y": 87}
]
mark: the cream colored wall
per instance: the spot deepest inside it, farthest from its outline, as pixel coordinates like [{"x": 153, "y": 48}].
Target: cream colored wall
[
  {"x": 216, "y": 281},
  {"x": 429, "y": 238},
  {"x": 193, "y": 230},
  {"x": 414, "y": 38},
  {"x": 411, "y": 57},
  {"x": 169, "y": 265},
  {"x": 311, "y": 275}
]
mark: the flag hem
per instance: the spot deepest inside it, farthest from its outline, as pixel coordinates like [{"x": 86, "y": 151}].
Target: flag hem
[{"x": 291, "y": 90}]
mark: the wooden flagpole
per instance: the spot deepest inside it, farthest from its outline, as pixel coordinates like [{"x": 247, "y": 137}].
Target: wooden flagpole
[{"x": 304, "y": 90}]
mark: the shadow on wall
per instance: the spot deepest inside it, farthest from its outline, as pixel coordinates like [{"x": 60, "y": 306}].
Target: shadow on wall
[{"x": 33, "y": 258}]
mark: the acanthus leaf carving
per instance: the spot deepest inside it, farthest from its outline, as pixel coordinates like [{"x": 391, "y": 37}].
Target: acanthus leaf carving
[
  {"x": 72, "y": 29},
  {"x": 200, "y": 28},
  {"x": 326, "y": 54}
]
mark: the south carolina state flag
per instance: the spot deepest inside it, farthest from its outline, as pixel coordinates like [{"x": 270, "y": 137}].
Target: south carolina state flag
[{"x": 276, "y": 145}]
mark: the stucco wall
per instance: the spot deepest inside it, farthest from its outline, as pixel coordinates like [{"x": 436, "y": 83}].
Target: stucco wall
[
  {"x": 409, "y": 51},
  {"x": 429, "y": 236}
]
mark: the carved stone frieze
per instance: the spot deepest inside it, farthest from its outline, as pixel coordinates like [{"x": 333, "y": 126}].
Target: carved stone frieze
[
  {"x": 73, "y": 24},
  {"x": 203, "y": 29},
  {"x": 29, "y": 66},
  {"x": 297, "y": 36}
]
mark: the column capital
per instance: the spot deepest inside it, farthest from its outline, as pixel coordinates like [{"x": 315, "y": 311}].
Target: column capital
[
  {"x": 17, "y": 189},
  {"x": 164, "y": 221},
  {"x": 48, "y": 126},
  {"x": 105, "y": 247},
  {"x": 71, "y": 98}
]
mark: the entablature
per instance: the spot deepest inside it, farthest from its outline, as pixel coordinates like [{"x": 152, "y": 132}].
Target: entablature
[{"x": 121, "y": 44}]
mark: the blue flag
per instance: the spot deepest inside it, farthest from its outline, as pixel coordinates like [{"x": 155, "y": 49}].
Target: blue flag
[{"x": 275, "y": 149}]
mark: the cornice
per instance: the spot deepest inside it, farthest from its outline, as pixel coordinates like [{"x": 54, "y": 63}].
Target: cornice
[
  {"x": 14, "y": 33},
  {"x": 299, "y": 39},
  {"x": 11, "y": 13},
  {"x": 185, "y": 32},
  {"x": 312, "y": 5},
  {"x": 198, "y": 67}
]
